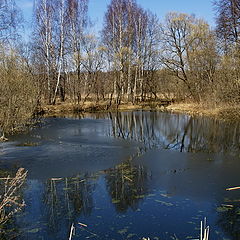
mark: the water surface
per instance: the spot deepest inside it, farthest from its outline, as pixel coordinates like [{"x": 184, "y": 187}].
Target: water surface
[{"x": 126, "y": 176}]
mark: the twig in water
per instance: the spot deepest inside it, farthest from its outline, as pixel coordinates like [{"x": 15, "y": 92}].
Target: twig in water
[
  {"x": 232, "y": 188},
  {"x": 72, "y": 232},
  {"x": 204, "y": 232},
  {"x": 82, "y": 224},
  {"x": 92, "y": 233},
  {"x": 227, "y": 205},
  {"x": 129, "y": 179},
  {"x": 56, "y": 179}
]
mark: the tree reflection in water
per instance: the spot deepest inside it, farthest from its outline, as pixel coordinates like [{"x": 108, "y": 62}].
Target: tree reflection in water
[
  {"x": 127, "y": 185},
  {"x": 175, "y": 131},
  {"x": 229, "y": 220},
  {"x": 67, "y": 198}
]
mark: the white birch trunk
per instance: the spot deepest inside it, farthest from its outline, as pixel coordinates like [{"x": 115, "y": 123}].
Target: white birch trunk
[{"x": 61, "y": 13}]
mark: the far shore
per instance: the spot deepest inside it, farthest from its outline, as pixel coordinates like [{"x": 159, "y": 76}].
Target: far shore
[
  {"x": 223, "y": 112},
  {"x": 228, "y": 113}
]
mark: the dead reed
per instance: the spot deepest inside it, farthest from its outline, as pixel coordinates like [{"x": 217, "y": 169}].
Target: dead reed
[{"x": 10, "y": 198}]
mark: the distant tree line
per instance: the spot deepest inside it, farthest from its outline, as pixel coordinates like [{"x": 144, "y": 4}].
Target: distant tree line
[{"x": 134, "y": 58}]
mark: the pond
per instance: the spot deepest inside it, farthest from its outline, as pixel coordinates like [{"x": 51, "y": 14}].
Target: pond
[{"x": 127, "y": 175}]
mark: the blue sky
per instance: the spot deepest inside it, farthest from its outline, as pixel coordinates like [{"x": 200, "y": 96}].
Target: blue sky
[
  {"x": 97, "y": 8},
  {"x": 201, "y": 8}
]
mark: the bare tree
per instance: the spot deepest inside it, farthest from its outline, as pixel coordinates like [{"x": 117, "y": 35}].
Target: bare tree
[
  {"x": 125, "y": 35},
  {"x": 228, "y": 21},
  {"x": 93, "y": 64},
  {"x": 43, "y": 42},
  {"x": 184, "y": 39},
  {"x": 77, "y": 23},
  {"x": 60, "y": 36},
  {"x": 114, "y": 32},
  {"x": 228, "y": 32},
  {"x": 151, "y": 56},
  {"x": 10, "y": 20},
  {"x": 18, "y": 91}
]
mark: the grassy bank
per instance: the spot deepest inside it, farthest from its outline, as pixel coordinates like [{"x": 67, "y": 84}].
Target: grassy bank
[
  {"x": 101, "y": 106},
  {"x": 223, "y": 112}
]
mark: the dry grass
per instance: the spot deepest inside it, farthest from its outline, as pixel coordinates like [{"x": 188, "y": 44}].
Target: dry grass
[
  {"x": 90, "y": 107},
  {"x": 224, "y": 112},
  {"x": 10, "y": 199}
]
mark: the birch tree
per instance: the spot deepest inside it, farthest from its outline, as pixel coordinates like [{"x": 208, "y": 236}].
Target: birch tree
[
  {"x": 60, "y": 36},
  {"x": 43, "y": 42},
  {"x": 123, "y": 34},
  {"x": 147, "y": 54},
  {"x": 77, "y": 23},
  {"x": 113, "y": 39}
]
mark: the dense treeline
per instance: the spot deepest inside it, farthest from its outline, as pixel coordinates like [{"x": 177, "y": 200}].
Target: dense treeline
[
  {"x": 134, "y": 58},
  {"x": 18, "y": 89}
]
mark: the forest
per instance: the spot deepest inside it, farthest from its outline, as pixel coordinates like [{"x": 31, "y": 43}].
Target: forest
[{"x": 135, "y": 57}]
